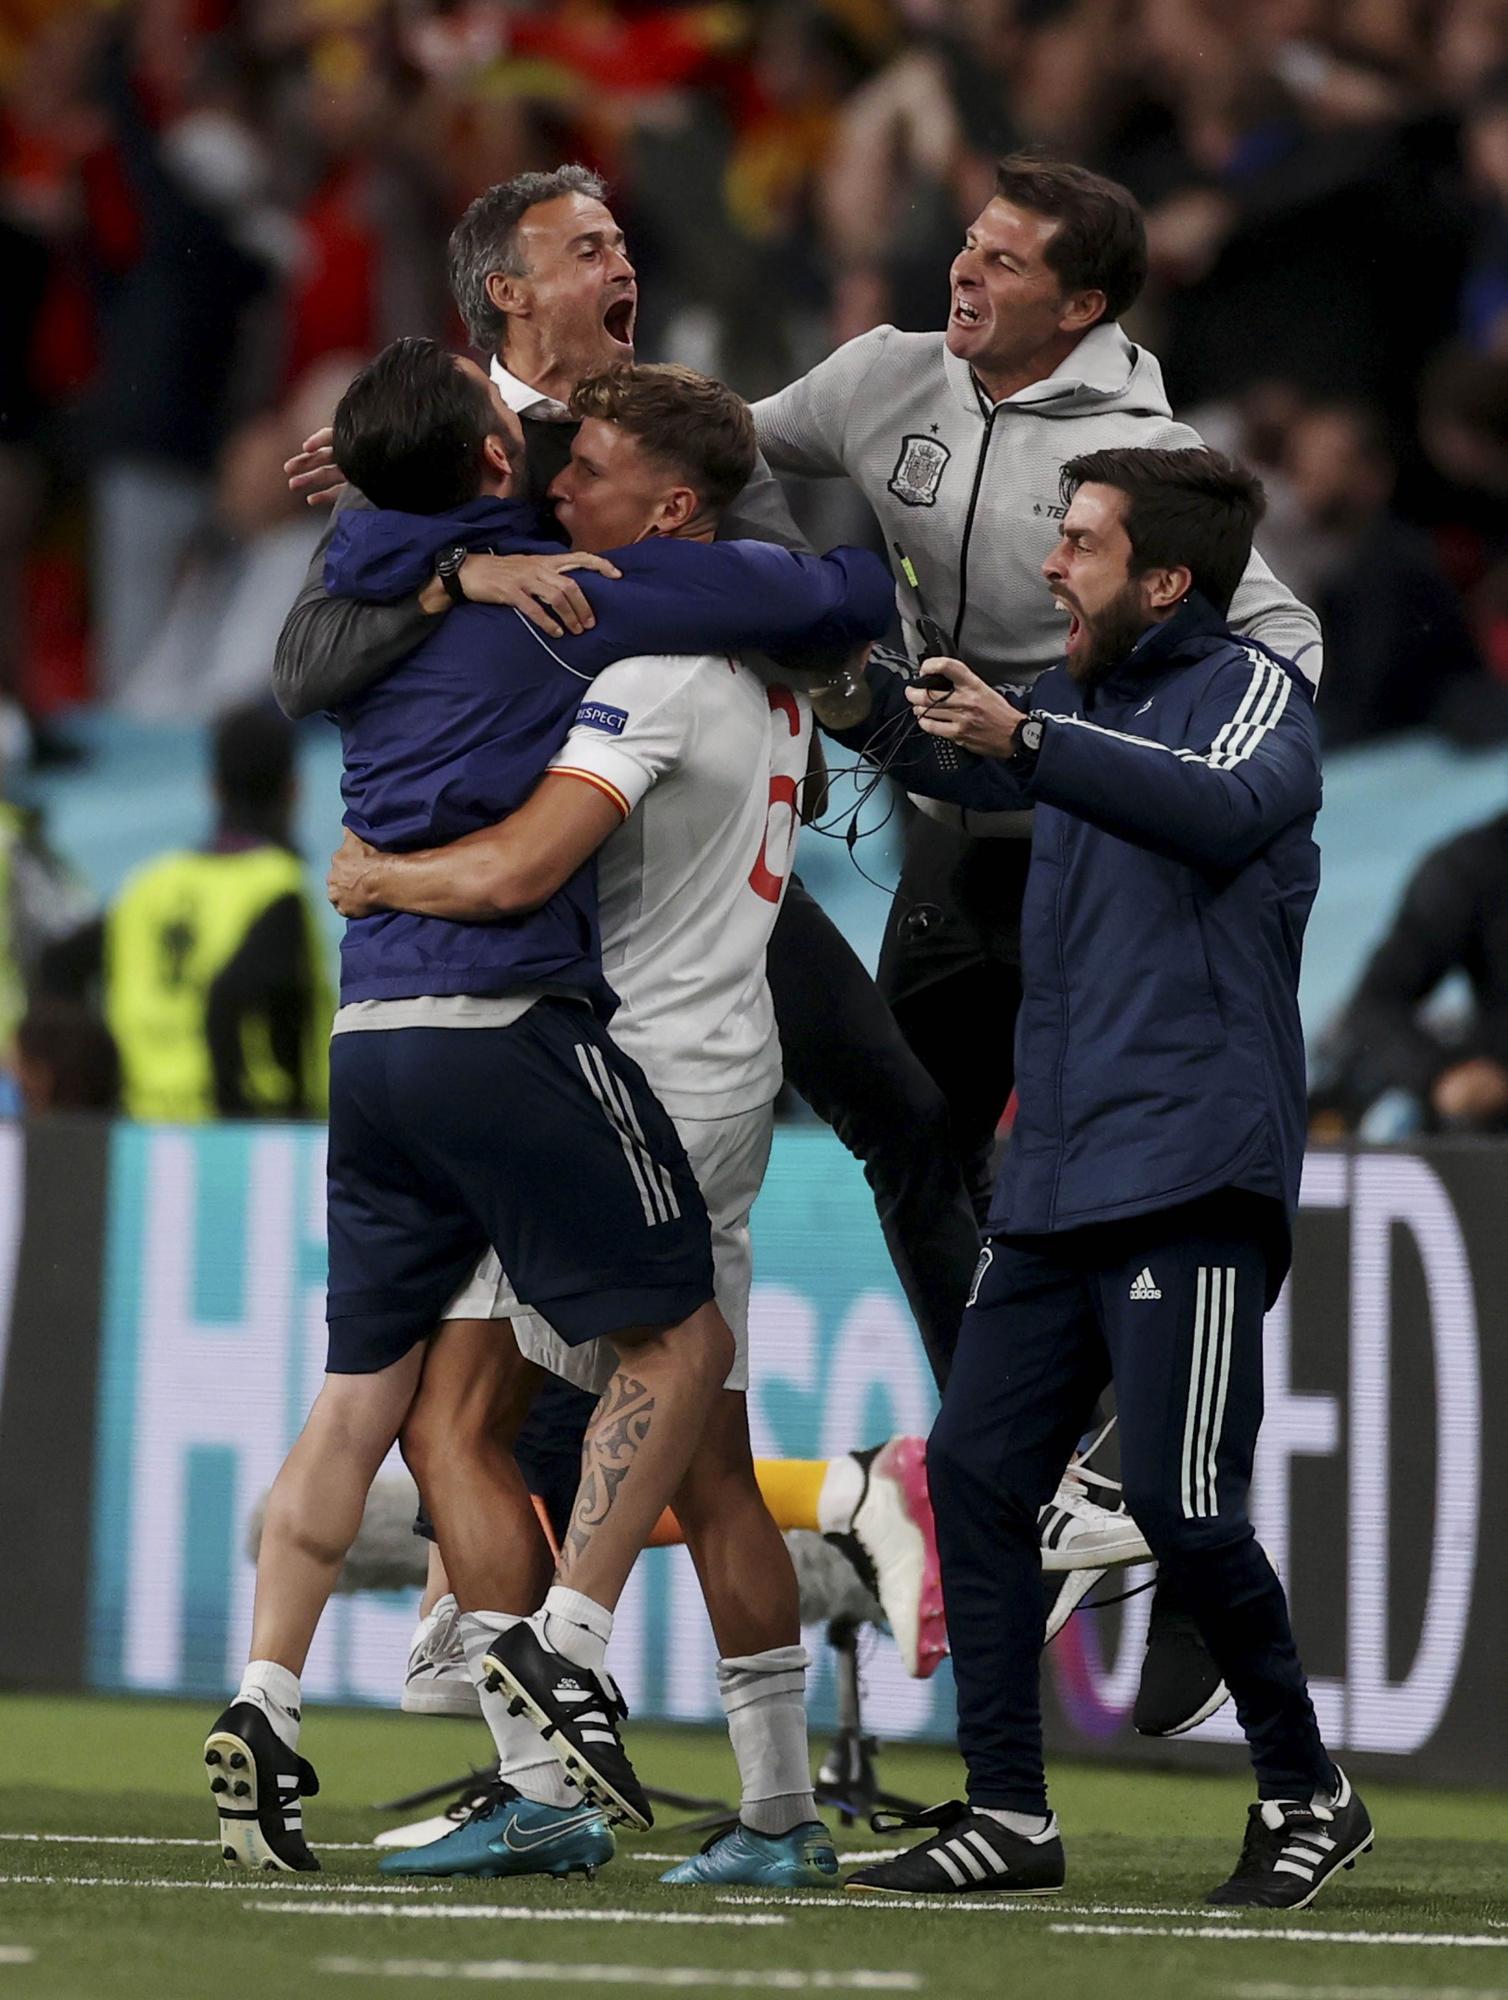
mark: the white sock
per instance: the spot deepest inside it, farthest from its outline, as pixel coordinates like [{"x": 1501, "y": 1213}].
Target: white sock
[
  {"x": 576, "y": 1626},
  {"x": 523, "y": 1761},
  {"x": 842, "y": 1490},
  {"x": 1031, "y": 1826},
  {"x": 764, "y": 1699},
  {"x": 275, "y": 1690}
]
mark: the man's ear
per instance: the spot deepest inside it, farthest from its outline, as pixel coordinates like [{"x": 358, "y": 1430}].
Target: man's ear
[
  {"x": 507, "y": 294},
  {"x": 497, "y": 456},
  {"x": 676, "y": 508},
  {"x": 1082, "y": 310},
  {"x": 1166, "y": 587}
]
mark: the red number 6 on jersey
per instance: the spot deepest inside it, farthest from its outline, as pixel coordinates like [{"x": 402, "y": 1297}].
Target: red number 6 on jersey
[{"x": 764, "y": 880}]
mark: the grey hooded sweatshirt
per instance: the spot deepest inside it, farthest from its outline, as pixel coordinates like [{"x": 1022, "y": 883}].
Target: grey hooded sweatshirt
[{"x": 967, "y": 492}]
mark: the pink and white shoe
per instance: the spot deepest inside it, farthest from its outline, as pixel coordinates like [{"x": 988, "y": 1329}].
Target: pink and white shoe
[{"x": 892, "y": 1542}]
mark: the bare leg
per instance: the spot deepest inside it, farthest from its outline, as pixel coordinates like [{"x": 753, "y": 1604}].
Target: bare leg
[
  {"x": 436, "y": 1582},
  {"x": 314, "y": 1509},
  {"x": 458, "y": 1443},
  {"x": 741, "y": 1558},
  {"x": 638, "y": 1448}
]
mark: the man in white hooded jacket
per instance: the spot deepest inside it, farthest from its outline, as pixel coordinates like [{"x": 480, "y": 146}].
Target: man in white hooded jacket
[{"x": 957, "y": 440}]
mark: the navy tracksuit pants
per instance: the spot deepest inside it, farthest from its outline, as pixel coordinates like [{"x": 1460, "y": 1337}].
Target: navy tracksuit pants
[{"x": 1169, "y": 1308}]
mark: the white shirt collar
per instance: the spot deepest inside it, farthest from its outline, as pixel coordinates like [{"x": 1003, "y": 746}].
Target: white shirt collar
[{"x": 519, "y": 397}]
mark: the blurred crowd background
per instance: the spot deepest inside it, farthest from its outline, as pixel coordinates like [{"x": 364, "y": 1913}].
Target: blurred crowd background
[{"x": 212, "y": 210}]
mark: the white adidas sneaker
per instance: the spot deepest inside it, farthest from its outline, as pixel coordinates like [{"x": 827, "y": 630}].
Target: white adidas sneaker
[
  {"x": 1077, "y": 1533},
  {"x": 438, "y": 1681}
]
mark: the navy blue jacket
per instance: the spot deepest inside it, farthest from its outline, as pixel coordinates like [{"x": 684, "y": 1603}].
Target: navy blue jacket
[
  {"x": 1159, "y": 1055},
  {"x": 457, "y": 735}
]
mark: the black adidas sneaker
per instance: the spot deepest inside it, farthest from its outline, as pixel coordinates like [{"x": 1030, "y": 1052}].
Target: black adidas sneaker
[
  {"x": 258, "y": 1782},
  {"x": 969, "y": 1853},
  {"x": 1292, "y": 1848},
  {"x": 577, "y": 1713},
  {"x": 1180, "y": 1684}
]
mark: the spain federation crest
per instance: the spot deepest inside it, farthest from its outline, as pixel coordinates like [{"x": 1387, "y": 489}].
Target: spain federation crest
[{"x": 918, "y": 470}]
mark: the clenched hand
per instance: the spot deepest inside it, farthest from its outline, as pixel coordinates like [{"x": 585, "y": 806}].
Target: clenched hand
[{"x": 970, "y": 713}]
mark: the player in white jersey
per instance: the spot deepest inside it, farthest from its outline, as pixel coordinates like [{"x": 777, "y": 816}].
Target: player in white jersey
[
  {"x": 686, "y": 773},
  {"x": 713, "y": 757}
]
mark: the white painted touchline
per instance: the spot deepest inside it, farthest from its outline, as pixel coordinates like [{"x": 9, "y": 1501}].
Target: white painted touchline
[
  {"x": 1458, "y": 1940},
  {"x": 177, "y": 1840},
  {"x": 982, "y": 1902},
  {"x": 1272, "y": 1990},
  {"x": 770, "y": 1979},
  {"x": 16, "y": 1954},
  {"x": 523, "y": 1913},
  {"x": 242, "y": 1883}
]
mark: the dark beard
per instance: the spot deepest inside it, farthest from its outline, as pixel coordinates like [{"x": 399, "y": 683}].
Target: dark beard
[{"x": 1108, "y": 638}]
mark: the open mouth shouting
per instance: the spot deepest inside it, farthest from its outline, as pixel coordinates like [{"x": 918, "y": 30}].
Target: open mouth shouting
[
  {"x": 965, "y": 314},
  {"x": 618, "y": 317},
  {"x": 1075, "y": 622}
]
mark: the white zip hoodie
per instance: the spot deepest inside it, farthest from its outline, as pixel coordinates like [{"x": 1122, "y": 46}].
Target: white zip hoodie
[{"x": 969, "y": 492}]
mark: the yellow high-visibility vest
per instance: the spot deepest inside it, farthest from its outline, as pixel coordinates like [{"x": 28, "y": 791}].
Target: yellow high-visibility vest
[{"x": 176, "y": 925}]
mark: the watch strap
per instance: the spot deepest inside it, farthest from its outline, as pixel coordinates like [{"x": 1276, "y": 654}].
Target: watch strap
[{"x": 448, "y": 570}]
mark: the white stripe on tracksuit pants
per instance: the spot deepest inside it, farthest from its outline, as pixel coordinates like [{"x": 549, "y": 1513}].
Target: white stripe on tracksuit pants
[{"x": 1167, "y": 1308}]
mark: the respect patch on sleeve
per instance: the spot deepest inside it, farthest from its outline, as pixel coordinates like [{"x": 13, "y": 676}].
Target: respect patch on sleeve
[{"x": 598, "y": 715}]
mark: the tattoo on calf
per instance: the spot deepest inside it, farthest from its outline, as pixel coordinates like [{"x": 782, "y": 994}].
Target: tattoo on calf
[{"x": 621, "y": 1424}]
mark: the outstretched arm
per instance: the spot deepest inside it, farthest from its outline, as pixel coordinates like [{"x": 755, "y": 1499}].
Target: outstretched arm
[
  {"x": 501, "y": 871},
  {"x": 1250, "y": 768}
]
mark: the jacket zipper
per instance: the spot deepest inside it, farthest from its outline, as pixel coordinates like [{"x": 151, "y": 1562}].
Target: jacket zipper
[{"x": 968, "y": 528}]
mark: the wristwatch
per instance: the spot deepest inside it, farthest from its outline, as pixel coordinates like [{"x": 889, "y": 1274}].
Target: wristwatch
[
  {"x": 1028, "y": 740},
  {"x": 448, "y": 570}
]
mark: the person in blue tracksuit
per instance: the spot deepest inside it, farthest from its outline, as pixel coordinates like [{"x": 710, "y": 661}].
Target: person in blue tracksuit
[
  {"x": 475, "y": 1096},
  {"x": 1141, "y": 1224}
]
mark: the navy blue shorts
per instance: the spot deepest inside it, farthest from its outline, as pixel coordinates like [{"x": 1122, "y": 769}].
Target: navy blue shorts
[{"x": 542, "y": 1139}]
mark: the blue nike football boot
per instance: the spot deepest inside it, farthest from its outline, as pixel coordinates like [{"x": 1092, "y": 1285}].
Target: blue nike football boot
[
  {"x": 504, "y": 1834},
  {"x": 800, "y": 1859}
]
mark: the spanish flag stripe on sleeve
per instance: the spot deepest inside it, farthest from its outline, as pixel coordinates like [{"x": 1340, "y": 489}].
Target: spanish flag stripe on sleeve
[{"x": 591, "y": 778}]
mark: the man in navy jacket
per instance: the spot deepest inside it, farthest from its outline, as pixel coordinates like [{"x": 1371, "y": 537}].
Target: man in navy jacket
[
  {"x": 1142, "y": 1220},
  {"x": 475, "y": 1095}
]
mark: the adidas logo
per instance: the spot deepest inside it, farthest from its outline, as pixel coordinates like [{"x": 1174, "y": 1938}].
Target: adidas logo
[{"x": 1145, "y": 1286}]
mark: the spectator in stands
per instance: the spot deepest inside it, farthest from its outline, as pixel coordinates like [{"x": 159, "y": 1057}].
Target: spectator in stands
[
  {"x": 1484, "y": 300},
  {"x": 210, "y": 959},
  {"x": 1388, "y": 1055},
  {"x": 1399, "y": 653},
  {"x": 174, "y": 287},
  {"x": 213, "y": 650},
  {"x": 66, "y": 1060}
]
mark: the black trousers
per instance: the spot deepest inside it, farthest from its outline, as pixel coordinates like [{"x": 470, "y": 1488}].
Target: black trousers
[
  {"x": 950, "y": 968},
  {"x": 1169, "y": 1308},
  {"x": 846, "y": 1056}
]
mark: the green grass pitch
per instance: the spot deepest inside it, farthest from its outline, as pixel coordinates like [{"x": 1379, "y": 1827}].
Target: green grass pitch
[{"x": 111, "y": 1885}]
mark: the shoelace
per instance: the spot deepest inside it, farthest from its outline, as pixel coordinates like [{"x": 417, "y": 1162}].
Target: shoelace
[{"x": 900, "y": 1818}]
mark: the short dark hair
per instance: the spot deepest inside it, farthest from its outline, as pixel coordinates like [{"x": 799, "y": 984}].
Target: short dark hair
[
  {"x": 253, "y": 755},
  {"x": 485, "y": 241},
  {"x": 409, "y": 431},
  {"x": 1192, "y": 508},
  {"x": 689, "y": 422},
  {"x": 1100, "y": 244}
]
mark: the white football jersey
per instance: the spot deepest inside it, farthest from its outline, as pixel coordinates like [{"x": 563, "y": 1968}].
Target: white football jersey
[{"x": 705, "y": 762}]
